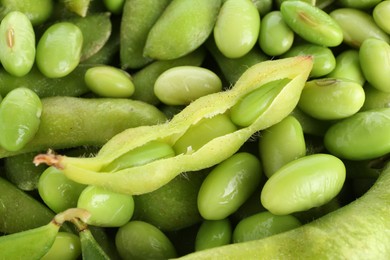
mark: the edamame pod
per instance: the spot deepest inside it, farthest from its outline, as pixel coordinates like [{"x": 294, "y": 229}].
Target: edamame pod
[
  {"x": 228, "y": 186},
  {"x": 331, "y": 99},
  {"x": 360, "y": 4},
  {"x": 304, "y": 183},
  {"x": 79, "y": 7},
  {"x": 20, "y": 118},
  {"x": 237, "y": 28},
  {"x": 352, "y": 137},
  {"x": 17, "y": 46},
  {"x": 182, "y": 27},
  {"x": 381, "y": 14},
  {"x": 136, "y": 180},
  {"x": 38, "y": 11},
  {"x": 311, "y": 23},
  {"x": 374, "y": 60},
  {"x": 66, "y": 246},
  {"x": 213, "y": 233},
  {"x": 59, "y": 50}
]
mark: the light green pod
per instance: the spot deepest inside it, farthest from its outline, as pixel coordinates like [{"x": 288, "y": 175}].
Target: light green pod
[
  {"x": 183, "y": 84},
  {"x": 374, "y": 59},
  {"x": 280, "y": 144},
  {"x": 311, "y": 23},
  {"x": 228, "y": 186},
  {"x": 381, "y": 14},
  {"x": 38, "y": 11},
  {"x": 331, "y": 99},
  {"x": 183, "y": 27},
  {"x": 66, "y": 246},
  {"x": 253, "y": 104},
  {"x": 213, "y": 233},
  {"x": 358, "y": 4},
  {"x": 375, "y": 98},
  {"x": 79, "y": 7},
  {"x": 59, "y": 50},
  {"x": 108, "y": 81},
  {"x": 357, "y": 26},
  {"x": 17, "y": 46},
  {"x": 275, "y": 37},
  {"x": 348, "y": 67},
  {"x": 263, "y": 224},
  {"x": 323, "y": 58},
  {"x": 237, "y": 28},
  {"x": 364, "y": 135},
  {"x": 141, "y": 240},
  {"x": 304, "y": 183},
  {"x": 20, "y": 113}
]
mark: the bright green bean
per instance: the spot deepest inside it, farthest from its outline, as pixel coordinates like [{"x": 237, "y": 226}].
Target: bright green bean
[
  {"x": 375, "y": 98},
  {"x": 213, "y": 233},
  {"x": 66, "y": 246},
  {"x": 381, "y": 15},
  {"x": 38, "y": 11},
  {"x": 359, "y": 4}
]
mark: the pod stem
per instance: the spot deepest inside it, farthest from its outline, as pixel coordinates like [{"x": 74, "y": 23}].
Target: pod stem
[
  {"x": 49, "y": 158},
  {"x": 72, "y": 215}
]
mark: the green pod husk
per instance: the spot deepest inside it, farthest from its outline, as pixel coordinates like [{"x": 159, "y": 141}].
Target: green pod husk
[{"x": 151, "y": 176}]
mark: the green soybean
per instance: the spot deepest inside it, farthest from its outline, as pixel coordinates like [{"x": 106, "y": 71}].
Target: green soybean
[
  {"x": 183, "y": 84},
  {"x": 182, "y": 27},
  {"x": 311, "y": 23},
  {"x": 348, "y": 67},
  {"x": 360, "y": 4},
  {"x": 17, "y": 46},
  {"x": 237, "y": 28},
  {"x": 114, "y": 6},
  {"x": 20, "y": 113},
  {"x": 108, "y": 81},
  {"x": 374, "y": 59},
  {"x": 263, "y": 224},
  {"x": 280, "y": 144},
  {"x": 140, "y": 240},
  {"x": 253, "y": 104},
  {"x": 381, "y": 15},
  {"x": 228, "y": 186},
  {"x": 66, "y": 246},
  {"x": 310, "y": 125},
  {"x": 353, "y": 138},
  {"x": 275, "y": 36},
  {"x": 375, "y": 98},
  {"x": 331, "y": 99},
  {"x": 357, "y": 26},
  {"x": 263, "y": 6},
  {"x": 59, "y": 49},
  {"x": 38, "y": 11},
  {"x": 324, "y": 59},
  {"x": 304, "y": 183},
  {"x": 213, "y": 233}
]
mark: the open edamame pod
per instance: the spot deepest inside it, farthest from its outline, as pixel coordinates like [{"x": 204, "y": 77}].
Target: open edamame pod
[{"x": 151, "y": 176}]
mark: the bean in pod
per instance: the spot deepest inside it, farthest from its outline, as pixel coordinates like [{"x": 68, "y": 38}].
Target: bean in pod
[
  {"x": 380, "y": 14},
  {"x": 20, "y": 118},
  {"x": 59, "y": 49},
  {"x": 263, "y": 224},
  {"x": 17, "y": 46},
  {"x": 304, "y": 183},
  {"x": 136, "y": 180},
  {"x": 352, "y": 138},
  {"x": 311, "y": 23},
  {"x": 66, "y": 246},
  {"x": 213, "y": 233},
  {"x": 228, "y": 186},
  {"x": 183, "y": 84},
  {"x": 374, "y": 59},
  {"x": 237, "y": 28},
  {"x": 331, "y": 99},
  {"x": 280, "y": 144}
]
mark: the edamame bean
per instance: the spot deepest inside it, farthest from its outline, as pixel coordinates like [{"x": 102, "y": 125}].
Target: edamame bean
[
  {"x": 353, "y": 138},
  {"x": 107, "y": 208},
  {"x": 263, "y": 224},
  {"x": 38, "y": 11},
  {"x": 275, "y": 36},
  {"x": 66, "y": 246},
  {"x": 58, "y": 192},
  {"x": 237, "y": 28},
  {"x": 357, "y": 26},
  {"x": 263, "y": 6},
  {"x": 140, "y": 240},
  {"x": 181, "y": 28},
  {"x": 374, "y": 59},
  {"x": 213, "y": 233},
  {"x": 114, "y": 6},
  {"x": 17, "y": 46},
  {"x": 183, "y": 84},
  {"x": 381, "y": 14},
  {"x": 323, "y": 57},
  {"x": 280, "y": 144},
  {"x": 108, "y": 81},
  {"x": 228, "y": 186},
  {"x": 20, "y": 113},
  {"x": 375, "y": 98},
  {"x": 331, "y": 99},
  {"x": 304, "y": 183},
  {"x": 348, "y": 67},
  {"x": 361, "y": 4},
  {"x": 59, "y": 50},
  {"x": 311, "y": 23},
  {"x": 253, "y": 104}
]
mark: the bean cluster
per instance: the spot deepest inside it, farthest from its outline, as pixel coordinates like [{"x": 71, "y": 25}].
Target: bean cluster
[{"x": 156, "y": 129}]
